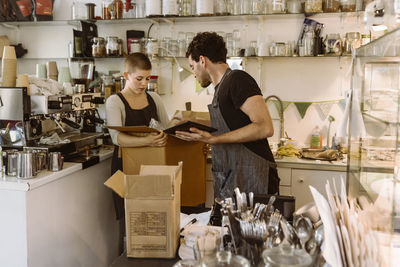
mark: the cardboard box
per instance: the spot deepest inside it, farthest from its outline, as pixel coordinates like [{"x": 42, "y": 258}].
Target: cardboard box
[
  {"x": 152, "y": 209},
  {"x": 192, "y": 154}
]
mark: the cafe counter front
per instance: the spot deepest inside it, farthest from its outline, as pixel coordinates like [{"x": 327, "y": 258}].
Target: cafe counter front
[{"x": 63, "y": 218}]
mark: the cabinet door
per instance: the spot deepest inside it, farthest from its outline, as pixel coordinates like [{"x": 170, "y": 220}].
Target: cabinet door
[{"x": 302, "y": 179}]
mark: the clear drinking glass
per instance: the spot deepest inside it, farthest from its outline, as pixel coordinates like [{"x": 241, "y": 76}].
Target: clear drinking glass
[{"x": 246, "y": 7}]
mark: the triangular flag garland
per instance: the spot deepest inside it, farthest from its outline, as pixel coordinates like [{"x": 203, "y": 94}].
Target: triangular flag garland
[
  {"x": 323, "y": 106},
  {"x": 302, "y": 107},
  {"x": 285, "y": 104}
]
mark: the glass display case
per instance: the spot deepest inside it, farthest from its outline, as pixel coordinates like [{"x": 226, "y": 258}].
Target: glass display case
[{"x": 373, "y": 155}]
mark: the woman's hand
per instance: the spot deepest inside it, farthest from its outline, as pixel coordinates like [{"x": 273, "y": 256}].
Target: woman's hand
[{"x": 157, "y": 139}]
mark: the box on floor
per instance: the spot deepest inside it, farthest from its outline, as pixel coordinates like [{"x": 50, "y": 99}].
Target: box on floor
[{"x": 152, "y": 209}]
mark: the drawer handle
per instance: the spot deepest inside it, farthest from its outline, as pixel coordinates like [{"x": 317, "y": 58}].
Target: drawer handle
[{"x": 301, "y": 180}]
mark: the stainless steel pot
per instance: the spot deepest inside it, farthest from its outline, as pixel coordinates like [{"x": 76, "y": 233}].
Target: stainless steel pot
[
  {"x": 56, "y": 161},
  {"x": 26, "y": 165}
]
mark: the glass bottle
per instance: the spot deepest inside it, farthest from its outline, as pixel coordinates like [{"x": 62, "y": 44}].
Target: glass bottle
[
  {"x": 185, "y": 8},
  {"x": 119, "y": 9},
  {"x": 107, "y": 9},
  {"x": 308, "y": 42},
  {"x": 170, "y": 8},
  {"x": 204, "y": 7}
]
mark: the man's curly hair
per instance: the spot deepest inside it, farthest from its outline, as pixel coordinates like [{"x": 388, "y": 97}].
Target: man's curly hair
[{"x": 208, "y": 44}]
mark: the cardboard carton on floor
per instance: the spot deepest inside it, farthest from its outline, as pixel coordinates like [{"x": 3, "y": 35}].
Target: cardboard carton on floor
[
  {"x": 193, "y": 190},
  {"x": 152, "y": 209}
]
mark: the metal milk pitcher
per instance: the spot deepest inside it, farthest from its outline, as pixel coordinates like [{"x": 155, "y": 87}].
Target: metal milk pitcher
[
  {"x": 56, "y": 161},
  {"x": 26, "y": 165}
]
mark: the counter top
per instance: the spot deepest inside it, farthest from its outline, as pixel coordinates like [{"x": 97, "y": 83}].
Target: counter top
[
  {"x": 309, "y": 164},
  {"x": 44, "y": 177}
]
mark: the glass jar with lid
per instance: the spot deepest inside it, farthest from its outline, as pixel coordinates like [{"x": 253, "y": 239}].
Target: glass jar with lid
[
  {"x": 204, "y": 7},
  {"x": 112, "y": 46},
  {"x": 313, "y": 6},
  {"x": 170, "y": 8},
  {"x": 98, "y": 47},
  {"x": 153, "y": 8},
  {"x": 135, "y": 46},
  {"x": 151, "y": 47}
]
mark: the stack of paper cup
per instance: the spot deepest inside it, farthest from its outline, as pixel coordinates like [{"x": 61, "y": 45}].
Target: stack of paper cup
[
  {"x": 9, "y": 67},
  {"x": 23, "y": 81},
  {"x": 52, "y": 71}
]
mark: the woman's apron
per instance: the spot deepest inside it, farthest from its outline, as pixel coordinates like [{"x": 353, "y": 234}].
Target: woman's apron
[
  {"x": 233, "y": 164},
  {"x": 133, "y": 117}
]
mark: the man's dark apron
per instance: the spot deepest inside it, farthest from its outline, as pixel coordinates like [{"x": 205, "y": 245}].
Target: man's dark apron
[
  {"x": 233, "y": 164},
  {"x": 133, "y": 117}
]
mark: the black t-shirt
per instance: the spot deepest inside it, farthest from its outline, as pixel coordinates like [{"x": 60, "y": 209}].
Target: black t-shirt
[{"x": 234, "y": 91}]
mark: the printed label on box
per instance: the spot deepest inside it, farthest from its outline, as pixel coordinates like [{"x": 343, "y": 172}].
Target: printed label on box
[{"x": 148, "y": 230}]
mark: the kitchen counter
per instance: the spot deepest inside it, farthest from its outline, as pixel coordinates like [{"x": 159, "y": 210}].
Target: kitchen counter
[
  {"x": 309, "y": 164},
  {"x": 45, "y": 177}
]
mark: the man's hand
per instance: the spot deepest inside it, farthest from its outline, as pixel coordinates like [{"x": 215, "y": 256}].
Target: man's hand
[{"x": 196, "y": 135}]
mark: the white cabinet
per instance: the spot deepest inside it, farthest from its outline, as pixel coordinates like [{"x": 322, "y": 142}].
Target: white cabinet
[{"x": 302, "y": 179}]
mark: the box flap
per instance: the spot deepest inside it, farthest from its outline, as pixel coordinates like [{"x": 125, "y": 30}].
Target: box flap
[
  {"x": 133, "y": 129},
  {"x": 149, "y": 186},
  {"x": 116, "y": 183}
]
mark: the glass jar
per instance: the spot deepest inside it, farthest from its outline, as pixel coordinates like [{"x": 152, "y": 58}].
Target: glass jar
[
  {"x": 112, "y": 46},
  {"x": 120, "y": 48},
  {"x": 98, "y": 47},
  {"x": 333, "y": 44},
  {"x": 119, "y": 9},
  {"x": 313, "y": 6},
  {"x": 135, "y": 46},
  {"x": 294, "y": 7},
  {"x": 153, "y": 8},
  {"x": 257, "y": 7},
  {"x": 246, "y": 7},
  {"x": 107, "y": 86},
  {"x": 348, "y": 5},
  {"x": 173, "y": 48},
  {"x": 170, "y": 8},
  {"x": 119, "y": 84},
  {"x": 185, "y": 8},
  {"x": 221, "y": 8},
  {"x": 331, "y": 5},
  {"x": 352, "y": 41},
  {"x": 140, "y": 8},
  {"x": 278, "y": 6},
  {"x": 204, "y": 7},
  {"x": 152, "y": 47},
  {"x": 129, "y": 10},
  {"x": 78, "y": 10},
  {"x": 152, "y": 86}
]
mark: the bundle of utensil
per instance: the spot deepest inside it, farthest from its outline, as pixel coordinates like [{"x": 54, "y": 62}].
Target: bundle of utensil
[{"x": 256, "y": 227}]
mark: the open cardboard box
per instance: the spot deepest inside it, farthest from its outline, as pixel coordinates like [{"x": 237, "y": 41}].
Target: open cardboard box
[
  {"x": 152, "y": 209},
  {"x": 192, "y": 154}
]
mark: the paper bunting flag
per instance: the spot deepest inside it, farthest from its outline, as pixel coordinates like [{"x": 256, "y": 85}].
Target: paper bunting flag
[
  {"x": 285, "y": 104},
  {"x": 302, "y": 107},
  {"x": 324, "y": 108}
]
